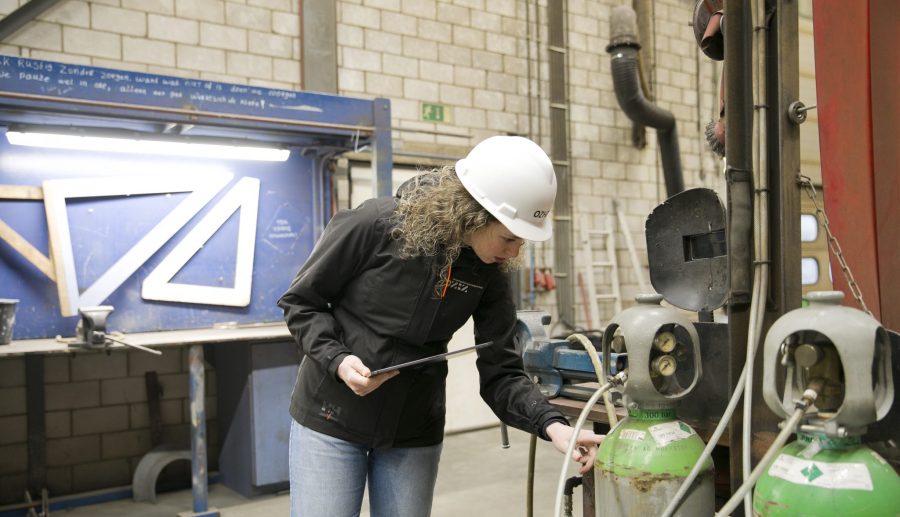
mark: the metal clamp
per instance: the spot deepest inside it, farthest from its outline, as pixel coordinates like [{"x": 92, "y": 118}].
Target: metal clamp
[{"x": 90, "y": 332}]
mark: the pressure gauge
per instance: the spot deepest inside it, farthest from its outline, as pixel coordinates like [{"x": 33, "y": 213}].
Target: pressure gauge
[
  {"x": 808, "y": 356},
  {"x": 664, "y": 365},
  {"x": 664, "y": 342}
]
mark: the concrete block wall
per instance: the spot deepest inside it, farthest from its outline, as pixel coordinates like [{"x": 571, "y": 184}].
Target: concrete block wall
[
  {"x": 97, "y": 419},
  {"x": 485, "y": 61},
  {"x": 249, "y": 42}
]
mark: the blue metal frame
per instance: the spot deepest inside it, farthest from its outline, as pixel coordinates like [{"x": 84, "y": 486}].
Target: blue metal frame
[
  {"x": 79, "y": 89},
  {"x": 38, "y": 92}
]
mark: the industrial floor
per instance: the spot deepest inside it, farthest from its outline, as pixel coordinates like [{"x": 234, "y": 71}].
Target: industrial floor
[{"x": 476, "y": 477}]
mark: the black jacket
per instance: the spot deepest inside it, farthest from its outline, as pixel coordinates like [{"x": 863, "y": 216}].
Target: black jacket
[{"x": 355, "y": 295}]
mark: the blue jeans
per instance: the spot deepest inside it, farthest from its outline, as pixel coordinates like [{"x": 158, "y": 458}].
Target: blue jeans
[{"x": 328, "y": 477}]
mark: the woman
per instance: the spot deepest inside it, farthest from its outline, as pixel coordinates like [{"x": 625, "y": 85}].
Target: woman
[{"x": 389, "y": 282}]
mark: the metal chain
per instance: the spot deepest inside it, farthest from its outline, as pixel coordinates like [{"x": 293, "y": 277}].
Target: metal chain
[{"x": 804, "y": 181}]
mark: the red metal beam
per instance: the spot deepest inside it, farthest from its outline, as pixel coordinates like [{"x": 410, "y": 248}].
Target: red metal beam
[
  {"x": 843, "y": 88},
  {"x": 884, "y": 37}
]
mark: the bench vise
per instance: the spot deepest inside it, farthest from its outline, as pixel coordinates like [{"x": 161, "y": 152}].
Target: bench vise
[{"x": 560, "y": 367}]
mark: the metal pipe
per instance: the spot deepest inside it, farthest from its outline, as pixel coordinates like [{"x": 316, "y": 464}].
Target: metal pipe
[
  {"x": 560, "y": 155},
  {"x": 644, "y": 11},
  {"x": 645, "y": 28},
  {"x": 529, "y": 500},
  {"x": 528, "y": 62},
  {"x": 623, "y": 48},
  {"x": 739, "y": 179},
  {"x": 738, "y": 145},
  {"x": 431, "y": 132},
  {"x": 36, "y": 427},
  {"x": 569, "y": 490},
  {"x": 199, "y": 487},
  {"x": 504, "y": 436},
  {"x": 23, "y": 15},
  {"x": 382, "y": 149}
]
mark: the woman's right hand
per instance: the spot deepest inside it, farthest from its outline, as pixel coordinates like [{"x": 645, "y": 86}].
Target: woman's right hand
[{"x": 358, "y": 377}]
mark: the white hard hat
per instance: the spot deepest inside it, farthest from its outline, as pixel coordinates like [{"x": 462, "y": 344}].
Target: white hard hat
[{"x": 513, "y": 179}]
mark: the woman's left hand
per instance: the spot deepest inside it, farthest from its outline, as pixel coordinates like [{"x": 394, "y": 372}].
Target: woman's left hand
[{"x": 585, "y": 448}]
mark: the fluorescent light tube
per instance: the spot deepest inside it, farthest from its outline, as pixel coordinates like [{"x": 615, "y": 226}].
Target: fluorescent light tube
[{"x": 150, "y": 147}]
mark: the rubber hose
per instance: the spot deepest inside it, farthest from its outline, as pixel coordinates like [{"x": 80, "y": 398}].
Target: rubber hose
[{"x": 601, "y": 374}]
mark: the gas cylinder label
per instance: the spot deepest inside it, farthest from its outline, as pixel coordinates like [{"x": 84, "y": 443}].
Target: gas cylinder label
[
  {"x": 633, "y": 434},
  {"x": 852, "y": 476},
  {"x": 669, "y": 432}
]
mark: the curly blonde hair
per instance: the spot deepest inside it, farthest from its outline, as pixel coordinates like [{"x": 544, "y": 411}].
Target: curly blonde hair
[{"x": 435, "y": 216}]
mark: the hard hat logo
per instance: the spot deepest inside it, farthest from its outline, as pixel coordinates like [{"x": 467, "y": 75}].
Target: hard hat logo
[{"x": 506, "y": 174}]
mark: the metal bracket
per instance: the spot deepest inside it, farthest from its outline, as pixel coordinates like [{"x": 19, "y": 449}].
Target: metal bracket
[{"x": 796, "y": 112}]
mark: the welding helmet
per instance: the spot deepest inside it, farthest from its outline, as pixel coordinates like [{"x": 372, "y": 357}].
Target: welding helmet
[{"x": 513, "y": 179}]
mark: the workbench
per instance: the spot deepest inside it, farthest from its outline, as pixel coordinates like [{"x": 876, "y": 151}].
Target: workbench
[{"x": 195, "y": 339}]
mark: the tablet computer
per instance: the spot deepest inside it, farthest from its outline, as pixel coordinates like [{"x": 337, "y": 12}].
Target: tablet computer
[{"x": 430, "y": 359}]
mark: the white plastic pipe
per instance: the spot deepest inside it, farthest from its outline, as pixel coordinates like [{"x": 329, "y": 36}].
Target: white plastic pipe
[
  {"x": 764, "y": 463},
  {"x": 601, "y": 374},
  {"x": 760, "y": 165},
  {"x": 620, "y": 378},
  {"x": 707, "y": 452}
]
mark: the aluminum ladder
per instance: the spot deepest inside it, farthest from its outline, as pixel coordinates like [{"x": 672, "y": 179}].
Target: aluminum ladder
[{"x": 607, "y": 262}]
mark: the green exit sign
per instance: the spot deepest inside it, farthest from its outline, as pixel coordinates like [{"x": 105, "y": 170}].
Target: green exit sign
[{"x": 435, "y": 112}]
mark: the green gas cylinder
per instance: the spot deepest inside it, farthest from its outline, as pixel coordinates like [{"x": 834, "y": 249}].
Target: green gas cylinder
[
  {"x": 827, "y": 471},
  {"x": 819, "y": 476},
  {"x": 644, "y": 460}
]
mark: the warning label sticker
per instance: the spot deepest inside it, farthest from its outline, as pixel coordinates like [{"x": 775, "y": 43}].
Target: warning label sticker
[
  {"x": 849, "y": 476},
  {"x": 669, "y": 432}
]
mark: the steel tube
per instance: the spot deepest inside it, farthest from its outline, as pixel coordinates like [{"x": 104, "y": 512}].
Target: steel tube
[
  {"x": 739, "y": 177},
  {"x": 25, "y": 14},
  {"x": 199, "y": 482}
]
